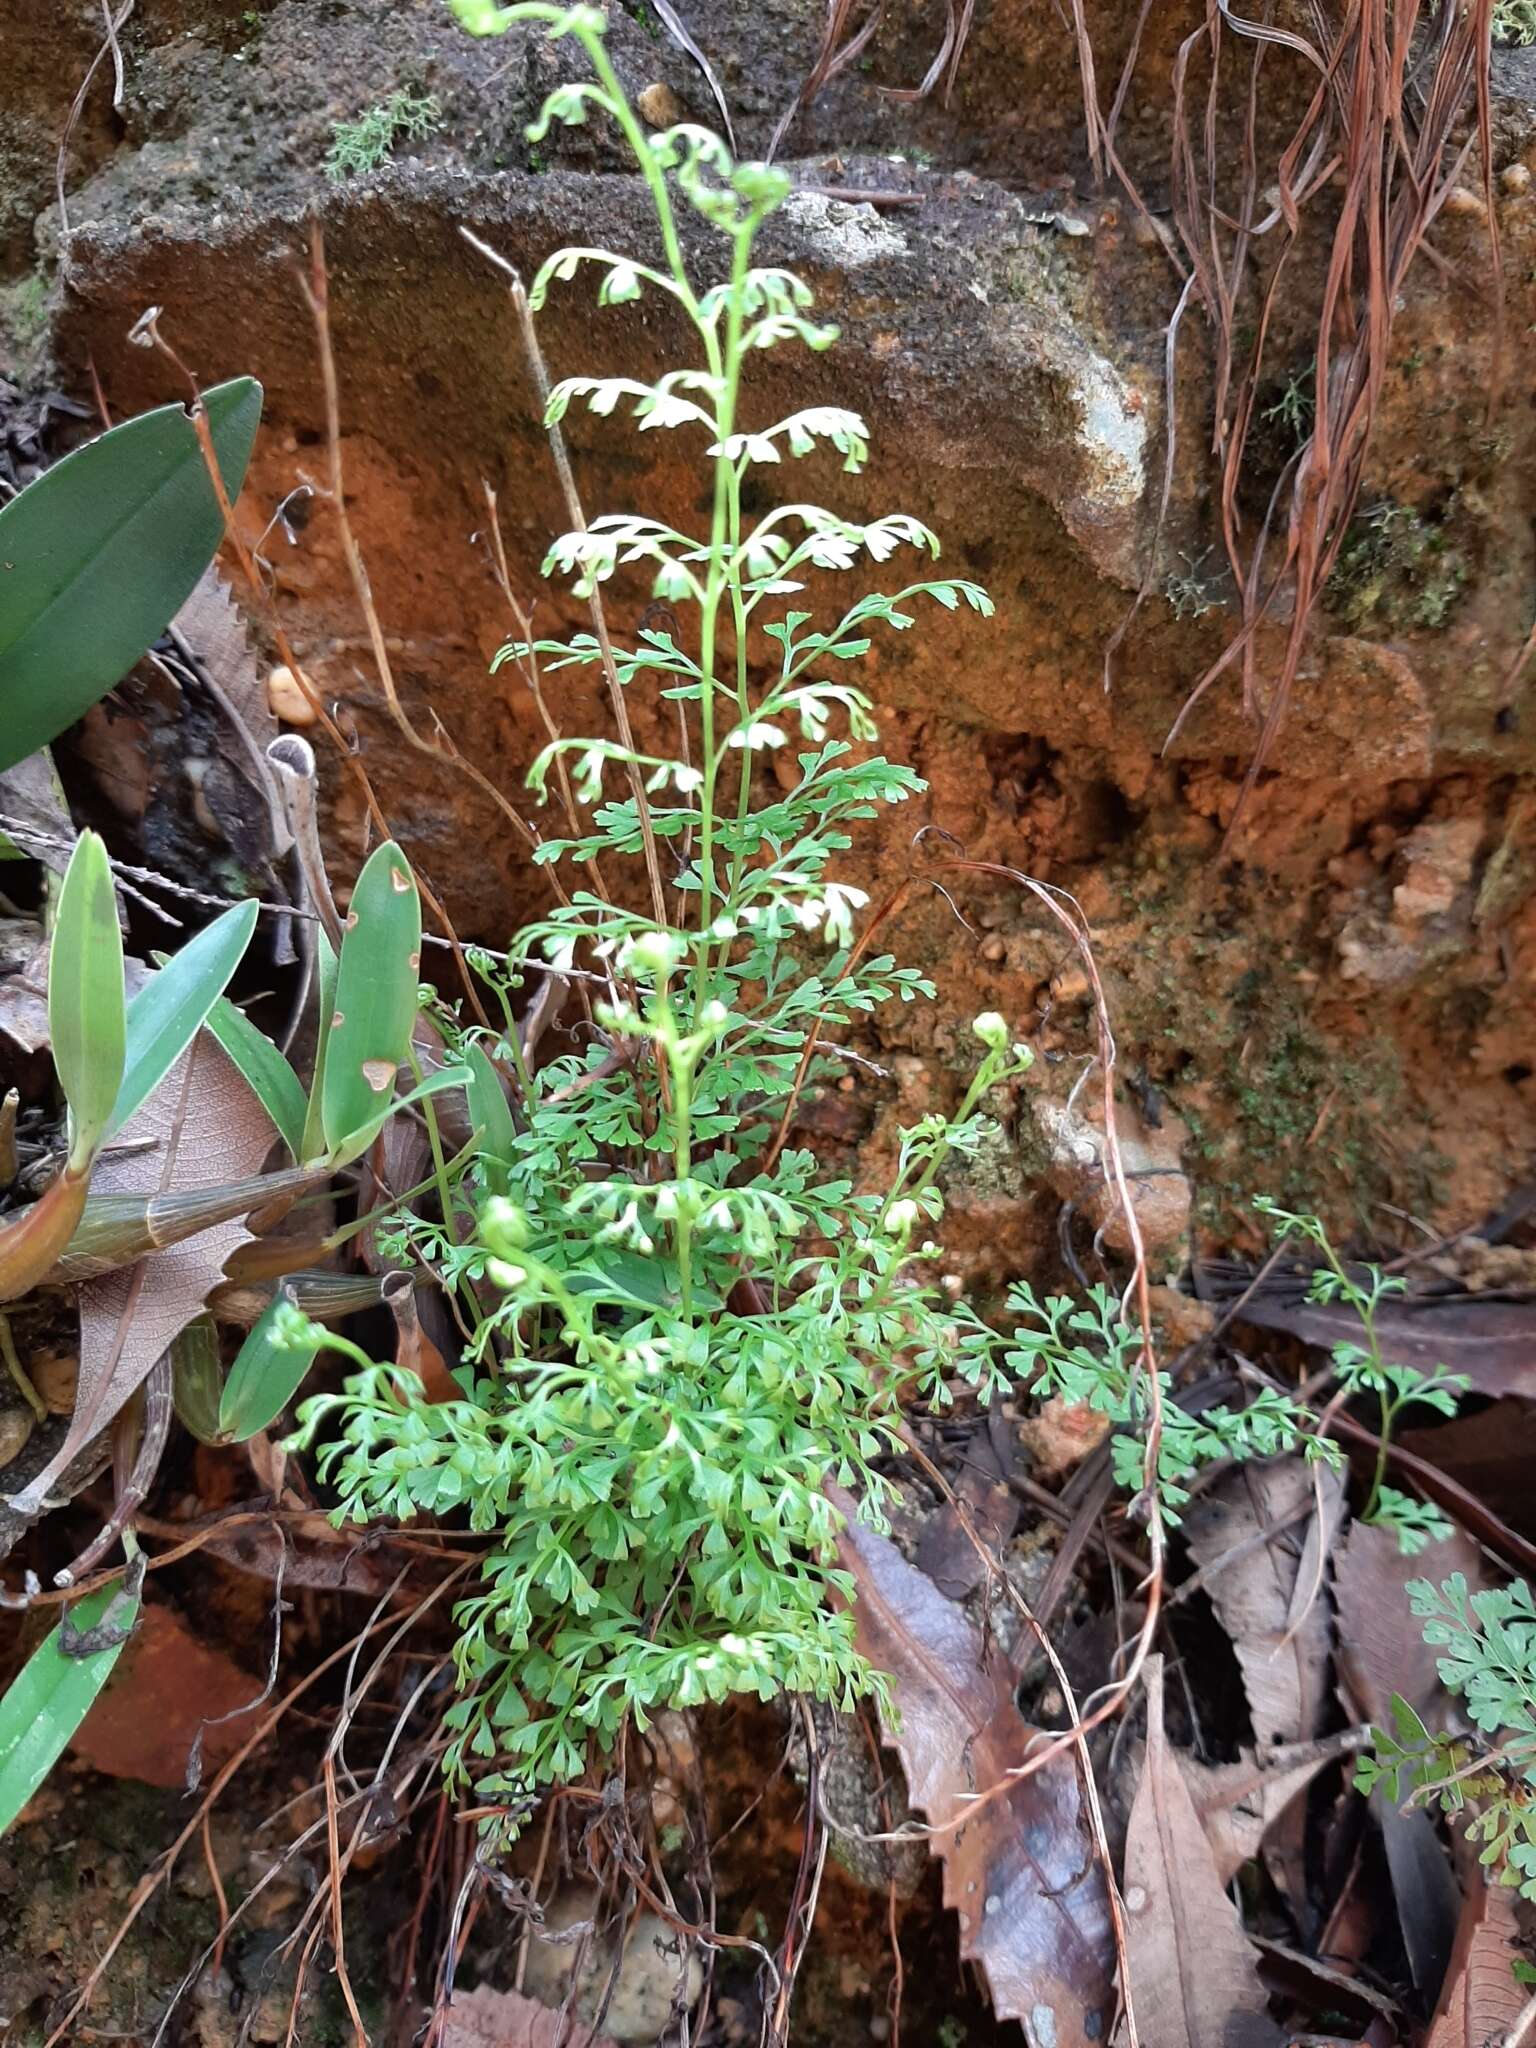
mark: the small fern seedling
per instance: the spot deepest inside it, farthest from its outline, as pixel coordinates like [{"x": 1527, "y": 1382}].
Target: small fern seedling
[
  {"x": 1087, "y": 1354},
  {"x": 1363, "y": 1370},
  {"x": 1487, "y": 1781}
]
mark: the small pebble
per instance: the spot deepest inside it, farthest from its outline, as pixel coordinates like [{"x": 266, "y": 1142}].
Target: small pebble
[
  {"x": 1466, "y": 203},
  {"x": 15, "y": 1432},
  {"x": 1516, "y": 178},
  {"x": 286, "y": 699},
  {"x": 994, "y": 950},
  {"x": 54, "y": 1376},
  {"x": 659, "y": 105}
]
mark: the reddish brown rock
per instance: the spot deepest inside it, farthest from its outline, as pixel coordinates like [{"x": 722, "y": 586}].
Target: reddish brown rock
[{"x": 166, "y": 1687}]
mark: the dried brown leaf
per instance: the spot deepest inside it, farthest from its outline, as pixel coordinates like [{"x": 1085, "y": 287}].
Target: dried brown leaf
[
  {"x": 1268, "y": 1595},
  {"x": 484, "y": 2018},
  {"x": 1381, "y": 1652},
  {"x": 114, "y": 746},
  {"x": 214, "y": 627},
  {"x": 32, "y": 797},
  {"x": 1023, "y": 1875},
  {"x": 1240, "y": 1803},
  {"x": 945, "y": 1551},
  {"x": 301, "y": 1550},
  {"x": 1381, "y": 1648},
  {"x": 1491, "y": 1454},
  {"x": 1321, "y": 1987},
  {"x": 202, "y": 1126},
  {"x": 1194, "y": 1976},
  {"x": 1492, "y": 1342},
  {"x": 24, "y": 1003},
  {"x": 1261, "y": 1544},
  {"x": 414, "y": 1349},
  {"x": 1480, "y": 2000}
]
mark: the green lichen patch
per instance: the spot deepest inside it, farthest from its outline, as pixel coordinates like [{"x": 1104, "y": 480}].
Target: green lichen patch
[{"x": 1398, "y": 568}]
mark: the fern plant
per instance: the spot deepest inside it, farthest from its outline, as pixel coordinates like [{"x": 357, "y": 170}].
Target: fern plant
[
  {"x": 1364, "y": 1370},
  {"x": 1087, "y": 1354},
  {"x": 1487, "y": 1782},
  {"x": 679, "y": 1327}
]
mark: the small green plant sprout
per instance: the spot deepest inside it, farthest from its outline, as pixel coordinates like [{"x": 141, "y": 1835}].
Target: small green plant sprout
[
  {"x": 1293, "y": 410},
  {"x": 1189, "y": 595},
  {"x": 1487, "y": 1781},
  {"x": 1087, "y": 1353},
  {"x": 369, "y": 1002},
  {"x": 1514, "y": 22},
  {"x": 679, "y": 1325},
  {"x": 360, "y": 146},
  {"x": 1362, "y": 1370},
  {"x": 369, "y": 999}
]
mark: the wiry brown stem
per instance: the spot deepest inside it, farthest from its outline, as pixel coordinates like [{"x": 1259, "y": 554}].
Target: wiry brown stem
[{"x": 578, "y": 519}]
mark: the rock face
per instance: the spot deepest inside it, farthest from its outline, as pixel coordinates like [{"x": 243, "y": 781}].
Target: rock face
[{"x": 1336, "y": 1014}]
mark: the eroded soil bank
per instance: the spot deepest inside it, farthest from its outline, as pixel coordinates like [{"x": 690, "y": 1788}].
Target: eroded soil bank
[{"x": 1334, "y": 1009}]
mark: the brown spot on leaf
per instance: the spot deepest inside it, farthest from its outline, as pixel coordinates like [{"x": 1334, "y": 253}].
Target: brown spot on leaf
[{"x": 378, "y": 1074}]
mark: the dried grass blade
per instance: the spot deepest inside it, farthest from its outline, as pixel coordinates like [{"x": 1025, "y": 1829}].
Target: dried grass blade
[{"x": 680, "y": 33}]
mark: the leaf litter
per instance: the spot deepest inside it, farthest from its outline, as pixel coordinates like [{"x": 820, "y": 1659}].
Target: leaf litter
[
  {"x": 1194, "y": 1976},
  {"x": 1482, "y": 2000},
  {"x": 1492, "y": 1341},
  {"x": 1261, "y": 1538},
  {"x": 201, "y": 1128},
  {"x": 1381, "y": 1653},
  {"x": 1023, "y": 1873}
]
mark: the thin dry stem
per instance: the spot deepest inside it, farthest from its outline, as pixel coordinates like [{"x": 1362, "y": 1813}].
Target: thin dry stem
[
  {"x": 152, "y": 1880},
  {"x": 578, "y": 518}
]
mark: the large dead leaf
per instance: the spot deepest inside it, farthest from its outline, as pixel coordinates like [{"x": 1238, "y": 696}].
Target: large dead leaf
[
  {"x": 211, "y": 630},
  {"x": 1256, "y": 1539},
  {"x": 1492, "y": 1342},
  {"x": 1481, "y": 2000},
  {"x": 1023, "y": 1875},
  {"x": 1194, "y": 1977},
  {"x": 214, "y": 627},
  {"x": 484, "y": 2018},
  {"x": 1491, "y": 1454},
  {"x": 1261, "y": 1545},
  {"x": 201, "y": 1128}
]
